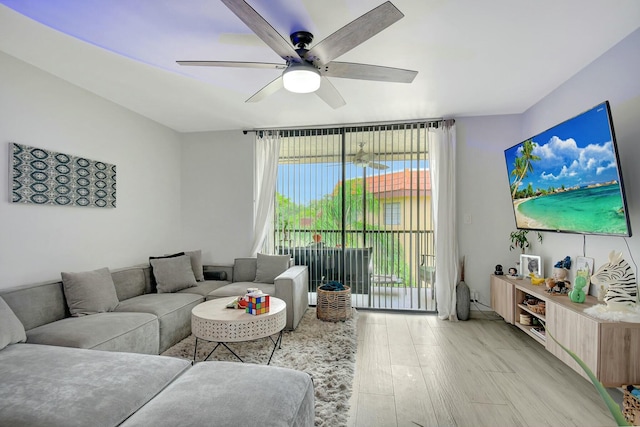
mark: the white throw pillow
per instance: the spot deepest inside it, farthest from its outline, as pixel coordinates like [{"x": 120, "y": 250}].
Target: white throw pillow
[{"x": 268, "y": 267}]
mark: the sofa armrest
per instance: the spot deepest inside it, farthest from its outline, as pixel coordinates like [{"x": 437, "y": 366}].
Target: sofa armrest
[{"x": 292, "y": 287}]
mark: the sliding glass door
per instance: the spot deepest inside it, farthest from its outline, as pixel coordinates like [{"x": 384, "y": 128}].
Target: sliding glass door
[{"x": 354, "y": 204}]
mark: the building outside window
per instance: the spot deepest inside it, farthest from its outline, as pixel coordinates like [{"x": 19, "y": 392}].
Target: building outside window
[{"x": 392, "y": 213}]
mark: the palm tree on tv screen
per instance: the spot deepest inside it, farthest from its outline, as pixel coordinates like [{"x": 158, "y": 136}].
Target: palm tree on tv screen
[{"x": 522, "y": 165}]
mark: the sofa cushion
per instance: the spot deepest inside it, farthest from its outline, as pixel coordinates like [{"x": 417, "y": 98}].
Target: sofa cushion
[
  {"x": 268, "y": 267},
  {"x": 130, "y": 282},
  {"x": 130, "y": 332},
  {"x": 173, "y": 312},
  {"x": 240, "y": 288},
  {"x": 244, "y": 269},
  {"x": 204, "y": 288},
  {"x": 271, "y": 396},
  {"x": 57, "y": 386},
  {"x": 37, "y": 304},
  {"x": 89, "y": 292},
  {"x": 173, "y": 273},
  {"x": 11, "y": 329}
]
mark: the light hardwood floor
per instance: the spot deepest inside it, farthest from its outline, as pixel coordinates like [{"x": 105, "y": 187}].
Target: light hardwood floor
[{"x": 416, "y": 370}]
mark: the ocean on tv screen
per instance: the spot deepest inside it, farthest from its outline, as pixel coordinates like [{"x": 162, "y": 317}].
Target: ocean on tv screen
[{"x": 597, "y": 210}]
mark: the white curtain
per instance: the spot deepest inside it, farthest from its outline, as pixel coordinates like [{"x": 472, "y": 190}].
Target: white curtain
[
  {"x": 442, "y": 164},
  {"x": 266, "y": 171}
]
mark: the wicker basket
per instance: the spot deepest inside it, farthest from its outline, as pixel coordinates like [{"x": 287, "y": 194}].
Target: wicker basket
[
  {"x": 333, "y": 306},
  {"x": 631, "y": 408}
]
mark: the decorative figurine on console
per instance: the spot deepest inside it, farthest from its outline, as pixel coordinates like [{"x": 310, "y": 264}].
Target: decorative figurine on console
[
  {"x": 561, "y": 270},
  {"x": 498, "y": 271},
  {"x": 621, "y": 297},
  {"x": 618, "y": 276},
  {"x": 558, "y": 283},
  {"x": 577, "y": 294}
]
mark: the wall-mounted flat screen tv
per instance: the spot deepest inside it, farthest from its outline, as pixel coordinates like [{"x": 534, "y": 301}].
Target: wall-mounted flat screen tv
[{"x": 568, "y": 178}]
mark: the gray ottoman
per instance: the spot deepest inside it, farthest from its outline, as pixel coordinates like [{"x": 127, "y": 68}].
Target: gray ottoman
[{"x": 232, "y": 394}]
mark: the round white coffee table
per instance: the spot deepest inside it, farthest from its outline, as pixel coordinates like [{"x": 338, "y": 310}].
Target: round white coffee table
[{"x": 213, "y": 321}]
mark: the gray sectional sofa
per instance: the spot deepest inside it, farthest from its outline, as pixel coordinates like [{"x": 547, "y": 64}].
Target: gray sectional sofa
[{"x": 52, "y": 374}]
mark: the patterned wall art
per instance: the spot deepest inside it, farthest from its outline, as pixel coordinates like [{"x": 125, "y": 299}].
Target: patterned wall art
[{"x": 46, "y": 177}]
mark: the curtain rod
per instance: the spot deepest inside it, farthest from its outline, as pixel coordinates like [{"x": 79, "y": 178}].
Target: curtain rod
[{"x": 429, "y": 122}]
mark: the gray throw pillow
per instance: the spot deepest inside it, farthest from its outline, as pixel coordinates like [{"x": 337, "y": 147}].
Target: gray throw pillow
[
  {"x": 11, "y": 329},
  {"x": 173, "y": 274},
  {"x": 89, "y": 292},
  {"x": 268, "y": 267},
  {"x": 196, "y": 264}
]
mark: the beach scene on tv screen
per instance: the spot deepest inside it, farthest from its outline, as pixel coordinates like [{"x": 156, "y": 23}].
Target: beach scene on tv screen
[{"x": 567, "y": 178}]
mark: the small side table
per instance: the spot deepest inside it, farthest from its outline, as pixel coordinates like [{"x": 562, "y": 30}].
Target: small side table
[{"x": 212, "y": 321}]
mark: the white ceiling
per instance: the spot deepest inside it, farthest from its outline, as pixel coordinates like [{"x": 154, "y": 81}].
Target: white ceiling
[{"x": 472, "y": 57}]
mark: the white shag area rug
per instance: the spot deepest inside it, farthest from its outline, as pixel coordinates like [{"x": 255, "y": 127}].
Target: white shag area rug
[
  {"x": 325, "y": 350},
  {"x": 630, "y": 314}
]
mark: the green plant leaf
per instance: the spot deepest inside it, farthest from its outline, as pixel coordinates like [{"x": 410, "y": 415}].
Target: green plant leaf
[{"x": 613, "y": 407}]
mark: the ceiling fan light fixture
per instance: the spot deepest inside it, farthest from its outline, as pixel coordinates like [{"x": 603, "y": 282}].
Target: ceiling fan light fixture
[{"x": 301, "y": 77}]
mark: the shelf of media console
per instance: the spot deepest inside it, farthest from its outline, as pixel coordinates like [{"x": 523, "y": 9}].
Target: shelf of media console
[{"x": 533, "y": 313}]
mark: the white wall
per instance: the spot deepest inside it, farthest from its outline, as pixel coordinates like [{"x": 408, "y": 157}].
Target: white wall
[
  {"x": 217, "y": 193},
  {"x": 483, "y": 194},
  {"x": 38, "y": 242},
  {"x": 614, "y": 77},
  {"x": 483, "y": 183}
]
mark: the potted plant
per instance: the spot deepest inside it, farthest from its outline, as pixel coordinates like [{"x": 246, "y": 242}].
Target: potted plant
[{"x": 520, "y": 239}]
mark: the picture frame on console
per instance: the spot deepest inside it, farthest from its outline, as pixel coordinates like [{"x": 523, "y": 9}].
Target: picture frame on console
[
  {"x": 584, "y": 267},
  {"x": 530, "y": 264}
]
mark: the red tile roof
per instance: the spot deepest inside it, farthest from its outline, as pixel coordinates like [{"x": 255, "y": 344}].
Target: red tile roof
[
  {"x": 409, "y": 182},
  {"x": 405, "y": 183}
]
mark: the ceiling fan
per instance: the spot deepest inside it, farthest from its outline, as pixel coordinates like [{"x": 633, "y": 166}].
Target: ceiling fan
[
  {"x": 306, "y": 70},
  {"x": 364, "y": 159}
]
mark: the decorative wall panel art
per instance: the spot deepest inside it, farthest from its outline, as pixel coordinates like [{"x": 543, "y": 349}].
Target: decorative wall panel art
[{"x": 45, "y": 177}]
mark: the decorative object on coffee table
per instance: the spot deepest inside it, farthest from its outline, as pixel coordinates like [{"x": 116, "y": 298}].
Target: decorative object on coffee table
[{"x": 333, "y": 302}]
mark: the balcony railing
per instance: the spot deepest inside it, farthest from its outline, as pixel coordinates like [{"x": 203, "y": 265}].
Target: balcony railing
[{"x": 384, "y": 268}]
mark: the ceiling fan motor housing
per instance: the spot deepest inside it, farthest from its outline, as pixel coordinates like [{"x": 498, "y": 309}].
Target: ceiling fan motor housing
[{"x": 301, "y": 39}]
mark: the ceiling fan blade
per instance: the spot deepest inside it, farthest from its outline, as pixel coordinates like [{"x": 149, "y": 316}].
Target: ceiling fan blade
[
  {"x": 269, "y": 89},
  {"x": 354, "y": 33},
  {"x": 263, "y": 29},
  {"x": 378, "y": 166},
  {"x": 348, "y": 70},
  {"x": 329, "y": 94},
  {"x": 235, "y": 64}
]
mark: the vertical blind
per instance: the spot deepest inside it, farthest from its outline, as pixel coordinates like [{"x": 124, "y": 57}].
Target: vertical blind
[{"x": 354, "y": 204}]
